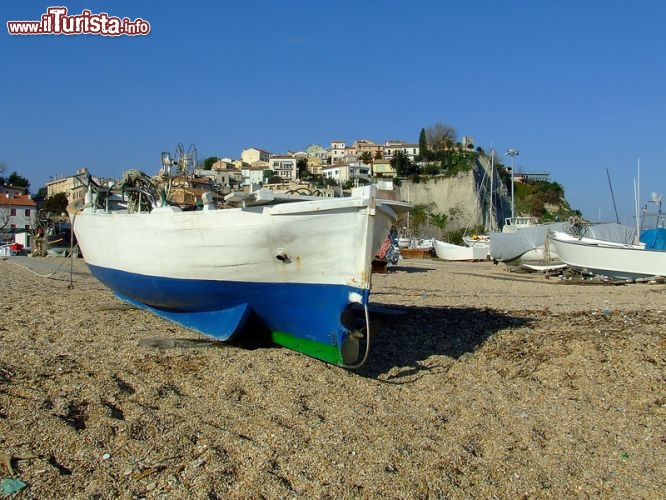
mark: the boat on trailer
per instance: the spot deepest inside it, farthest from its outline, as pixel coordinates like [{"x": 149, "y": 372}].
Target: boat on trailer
[{"x": 301, "y": 264}]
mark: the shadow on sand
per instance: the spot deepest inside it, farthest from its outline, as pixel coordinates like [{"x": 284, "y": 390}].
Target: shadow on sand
[
  {"x": 407, "y": 338},
  {"x": 410, "y": 335},
  {"x": 409, "y": 270}
]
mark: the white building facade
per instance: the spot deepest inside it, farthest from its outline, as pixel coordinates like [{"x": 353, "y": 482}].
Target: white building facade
[
  {"x": 17, "y": 212},
  {"x": 337, "y": 151},
  {"x": 284, "y": 166},
  {"x": 252, "y": 176},
  {"x": 346, "y": 171}
]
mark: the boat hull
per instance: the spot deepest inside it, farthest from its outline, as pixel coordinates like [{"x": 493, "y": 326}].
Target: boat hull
[
  {"x": 449, "y": 251},
  {"x": 613, "y": 260},
  {"x": 298, "y": 266}
]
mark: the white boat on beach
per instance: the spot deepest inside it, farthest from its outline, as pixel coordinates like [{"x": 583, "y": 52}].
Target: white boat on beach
[
  {"x": 451, "y": 252},
  {"x": 412, "y": 242},
  {"x": 514, "y": 224},
  {"x": 613, "y": 259},
  {"x": 405, "y": 242},
  {"x": 480, "y": 242},
  {"x": 300, "y": 264},
  {"x": 528, "y": 245},
  {"x": 424, "y": 244}
]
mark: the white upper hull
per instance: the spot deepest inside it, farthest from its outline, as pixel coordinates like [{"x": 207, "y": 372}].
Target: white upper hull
[{"x": 322, "y": 241}]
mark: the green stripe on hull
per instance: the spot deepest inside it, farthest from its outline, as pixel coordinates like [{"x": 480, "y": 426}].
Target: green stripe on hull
[{"x": 319, "y": 350}]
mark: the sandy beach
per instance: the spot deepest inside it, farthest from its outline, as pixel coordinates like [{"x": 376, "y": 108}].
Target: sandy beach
[{"x": 482, "y": 383}]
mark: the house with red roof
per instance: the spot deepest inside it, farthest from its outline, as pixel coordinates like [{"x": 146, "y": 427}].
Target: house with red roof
[{"x": 18, "y": 214}]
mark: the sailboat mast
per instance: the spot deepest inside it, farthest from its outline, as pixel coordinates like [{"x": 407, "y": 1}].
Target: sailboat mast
[
  {"x": 637, "y": 197},
  {"x": 638, "y": 229},
  {"x": 409, "y": 231},
  {"x": 490, "y": 224},
  {"x": 617, "y": 218}
]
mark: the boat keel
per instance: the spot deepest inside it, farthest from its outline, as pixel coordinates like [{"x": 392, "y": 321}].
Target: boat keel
[{"x": 222, "y": 325}]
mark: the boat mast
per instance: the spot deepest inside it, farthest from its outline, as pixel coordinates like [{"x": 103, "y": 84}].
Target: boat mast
[
  {"x": 637, "y": 195},
  {"x": 617, "y": 219},
  {"x": 492, "y": 177},
  {"x": 409, "y": 231},
  {"x": 638, "y": 229}
]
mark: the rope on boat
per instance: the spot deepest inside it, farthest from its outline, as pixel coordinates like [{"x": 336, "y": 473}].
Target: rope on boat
[{"x": 48, "y": 275}]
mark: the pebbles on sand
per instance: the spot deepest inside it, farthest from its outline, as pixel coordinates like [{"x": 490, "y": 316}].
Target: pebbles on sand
[{"x": 481, "y": 383}]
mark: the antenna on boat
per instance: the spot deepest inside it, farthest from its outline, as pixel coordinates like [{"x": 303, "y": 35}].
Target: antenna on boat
[
  {"x": 656, "y": 199},
  {"x": 184, "y": 162}
]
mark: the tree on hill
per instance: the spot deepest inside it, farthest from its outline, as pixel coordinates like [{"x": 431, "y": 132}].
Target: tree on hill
[
  {"x": 14, "y": 179},
  {"x": 402, "y": 164},
  {"x": 441, "y": 137},
  {"x": 539, "y": 198},
  {"x": 209, "y": 162},
  {"x": 423, "y": 145}
]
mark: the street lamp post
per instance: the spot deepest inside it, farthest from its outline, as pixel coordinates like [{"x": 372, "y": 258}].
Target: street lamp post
[{"x": 512, "y": 152}]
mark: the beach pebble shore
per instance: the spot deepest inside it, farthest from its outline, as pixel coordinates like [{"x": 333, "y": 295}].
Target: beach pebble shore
[{"x": 481, "y": 383}]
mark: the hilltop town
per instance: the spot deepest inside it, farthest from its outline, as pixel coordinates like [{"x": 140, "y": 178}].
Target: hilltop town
[{"x": 414, "y": 172}]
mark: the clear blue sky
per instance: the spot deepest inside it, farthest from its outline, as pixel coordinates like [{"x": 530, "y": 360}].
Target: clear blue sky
[{"x": 576, "y": 86}]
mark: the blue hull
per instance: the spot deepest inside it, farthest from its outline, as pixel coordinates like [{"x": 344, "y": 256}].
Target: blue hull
[{"x": 304, "y": 317}]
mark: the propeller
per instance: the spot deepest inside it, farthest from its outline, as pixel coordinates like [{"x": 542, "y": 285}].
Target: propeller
[{"x": 351, "y": 345}]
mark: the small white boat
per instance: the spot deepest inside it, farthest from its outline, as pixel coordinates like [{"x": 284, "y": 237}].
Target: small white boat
[
  {"x": 425, "y": 243},
  {"x": 412, "y": 242},
  {"x": 513, "y": 224},
  {"x": 609, "y": 258},
  {"x": 405, "y": 242},
  {"x": 449, "y": 251}
]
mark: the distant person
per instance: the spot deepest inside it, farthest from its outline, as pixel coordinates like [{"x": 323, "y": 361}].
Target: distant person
[{"x": 393, "y": 235}]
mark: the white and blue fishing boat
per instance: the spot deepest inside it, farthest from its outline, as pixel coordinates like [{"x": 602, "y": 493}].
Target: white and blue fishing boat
[{"x": 301, "y": 264}]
